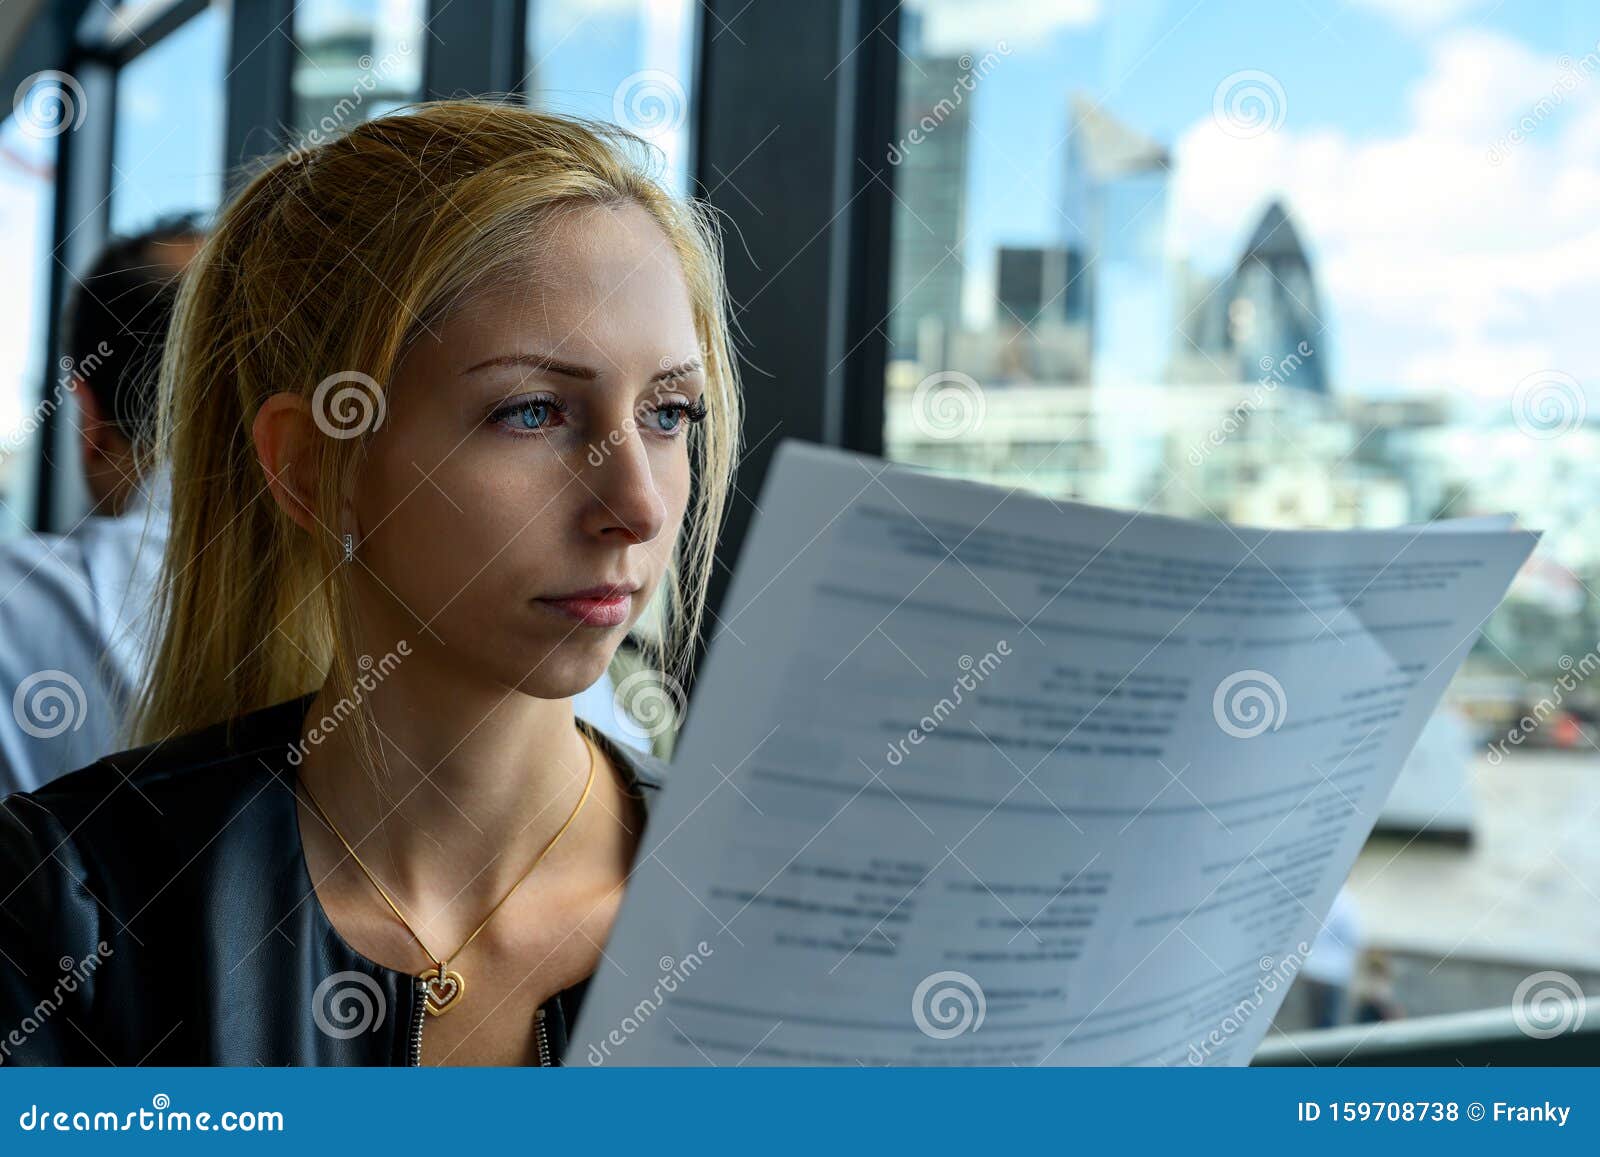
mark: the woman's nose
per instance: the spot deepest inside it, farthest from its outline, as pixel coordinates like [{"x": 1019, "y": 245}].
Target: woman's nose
[{"x": 624, "y": 498}]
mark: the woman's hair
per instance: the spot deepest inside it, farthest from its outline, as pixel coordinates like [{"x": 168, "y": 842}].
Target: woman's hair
[{"x": 322, "y": 272}]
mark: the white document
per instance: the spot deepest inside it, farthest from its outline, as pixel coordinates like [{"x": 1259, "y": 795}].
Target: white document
[{"x": 973, "y": 777}]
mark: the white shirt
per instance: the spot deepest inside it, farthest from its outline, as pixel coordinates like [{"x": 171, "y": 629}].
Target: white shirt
[
  {"x": 73, "y": 612},
  {"x": 74, "y": 624}
]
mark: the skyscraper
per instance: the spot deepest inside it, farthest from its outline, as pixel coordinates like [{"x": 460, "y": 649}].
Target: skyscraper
[
  {"x": 1115, "y": 204},
  {"x": 930, "y": 181}
]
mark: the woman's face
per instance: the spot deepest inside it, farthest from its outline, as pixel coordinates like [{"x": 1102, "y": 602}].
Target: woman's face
[{"x": 519, "y": 503}]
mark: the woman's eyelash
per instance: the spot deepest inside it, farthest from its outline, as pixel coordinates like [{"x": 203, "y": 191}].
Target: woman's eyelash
[{"x": 694, "y": 411}]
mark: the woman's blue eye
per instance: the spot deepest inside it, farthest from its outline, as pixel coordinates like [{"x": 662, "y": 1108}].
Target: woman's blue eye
[
  {"x": 530, "y": 414},
  {"x": 533, "y": 415},
  {"x": 669, "y": 419}
]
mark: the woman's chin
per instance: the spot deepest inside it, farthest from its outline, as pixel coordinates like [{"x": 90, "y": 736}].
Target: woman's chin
[{"x": 569, "y": 669}]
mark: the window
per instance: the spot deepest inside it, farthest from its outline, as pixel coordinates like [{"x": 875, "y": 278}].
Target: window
[
  {"x": 168, "y": 146},
  {"x": 1296, "y": 265},
  {"x": 627, "y": 61},
  {"x": 357, "y": 59},
  {"x": 27, "y": 189}
]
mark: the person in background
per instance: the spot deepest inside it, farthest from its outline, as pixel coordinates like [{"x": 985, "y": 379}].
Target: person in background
[
  {"x": 1330, "y": 968},
  {"x": 71, "y": 605},
  {"x": 1372, "y": 995}
]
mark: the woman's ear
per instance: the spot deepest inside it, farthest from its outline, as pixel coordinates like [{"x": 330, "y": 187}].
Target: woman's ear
[{"x": 283, "y": 432}]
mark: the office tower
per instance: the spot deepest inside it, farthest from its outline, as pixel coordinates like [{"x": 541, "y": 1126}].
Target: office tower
[
  {"x": 930, "y": 159},
  {"x": 1115, "y": 204}
]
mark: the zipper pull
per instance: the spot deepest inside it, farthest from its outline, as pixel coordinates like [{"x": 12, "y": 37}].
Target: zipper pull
[{"x": 541, "y": 1036}]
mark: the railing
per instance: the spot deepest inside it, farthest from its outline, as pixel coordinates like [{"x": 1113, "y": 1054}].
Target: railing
[{"x": 1493, "y": 1037}]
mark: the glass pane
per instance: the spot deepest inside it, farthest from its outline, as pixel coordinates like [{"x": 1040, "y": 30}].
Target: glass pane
[
  {"x": 627, "y": 61},
  {"x": 27, "y": 191},
  {"x": 357, "y": 59},
  {"x": 1297, "y": 265},
  {"x": 168, "y": 151}
]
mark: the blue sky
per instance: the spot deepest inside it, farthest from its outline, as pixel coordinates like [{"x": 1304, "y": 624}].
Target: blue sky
[{"x": 1439, "y": 270}]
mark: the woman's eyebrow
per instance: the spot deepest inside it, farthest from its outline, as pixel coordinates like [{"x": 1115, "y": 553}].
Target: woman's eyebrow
[
  {"x": 544, "y": 363},
  {"x": 541, "y": 362}
]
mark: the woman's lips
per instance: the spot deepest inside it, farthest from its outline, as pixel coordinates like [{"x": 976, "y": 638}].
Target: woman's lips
[{"x": 593, "y": 610}]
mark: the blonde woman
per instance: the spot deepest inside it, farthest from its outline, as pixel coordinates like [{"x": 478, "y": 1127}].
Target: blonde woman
[{"x": 447, "y": 400}]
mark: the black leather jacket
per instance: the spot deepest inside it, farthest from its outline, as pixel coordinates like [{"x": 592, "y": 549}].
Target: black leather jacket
[{"x": 155, "y": 909}]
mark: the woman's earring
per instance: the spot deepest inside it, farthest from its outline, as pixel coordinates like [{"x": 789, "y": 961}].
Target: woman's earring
[{"x": 349, "y": 547}]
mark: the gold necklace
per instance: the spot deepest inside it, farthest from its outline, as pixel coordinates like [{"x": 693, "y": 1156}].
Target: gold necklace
[{"x": 444, "y": 986}]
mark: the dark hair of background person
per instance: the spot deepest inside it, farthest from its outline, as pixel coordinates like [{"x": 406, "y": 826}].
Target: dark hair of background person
[{"x": 125, "y": 301}]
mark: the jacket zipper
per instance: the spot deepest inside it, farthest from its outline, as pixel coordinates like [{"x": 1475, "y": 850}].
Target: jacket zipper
[
  {"x": 541, "y": 1035},
  {"x": 415, "y": 1058},
  {"x": 541, "y": 1031}
]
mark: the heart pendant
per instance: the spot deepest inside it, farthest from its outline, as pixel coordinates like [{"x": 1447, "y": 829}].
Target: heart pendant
[{"x": 442, "y": 992}]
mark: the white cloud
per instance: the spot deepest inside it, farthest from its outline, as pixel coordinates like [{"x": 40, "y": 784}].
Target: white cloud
[
  {"x": 952, "y": 26},
  {"x": 1422, "y": 13},
  {"x": 1439, "y": 268}
]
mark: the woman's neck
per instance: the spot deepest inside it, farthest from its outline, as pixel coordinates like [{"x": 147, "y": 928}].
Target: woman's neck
[{"x": 470, "y": 785}]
